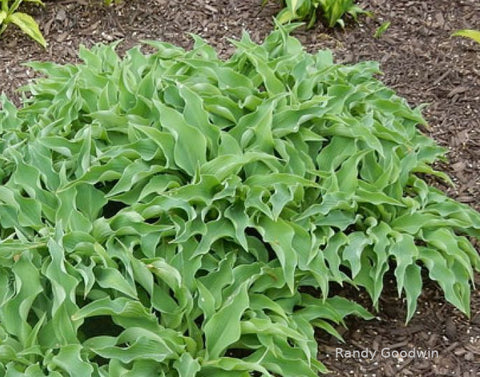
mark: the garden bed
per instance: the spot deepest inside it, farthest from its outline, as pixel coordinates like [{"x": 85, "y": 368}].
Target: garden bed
[{"x": 419, "y": 60}]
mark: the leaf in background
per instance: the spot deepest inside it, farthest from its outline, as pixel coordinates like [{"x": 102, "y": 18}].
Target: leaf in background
[
  {"x": 28, "y": 26},
  {"x": 381, "y": 29},
  {"x": 285, "y": 15},
  {"x": 472, "y": 34}
]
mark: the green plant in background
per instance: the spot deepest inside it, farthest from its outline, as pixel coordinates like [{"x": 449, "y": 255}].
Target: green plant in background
[
  {"x": 9, "y": 15},
  {"x": 331, "y": 10},
  {"x": 110, "y": 2},
  {"x": 472, "y": 34},
  {"x": 381, "y": 29},
  {"x": 177, "y": 215}
]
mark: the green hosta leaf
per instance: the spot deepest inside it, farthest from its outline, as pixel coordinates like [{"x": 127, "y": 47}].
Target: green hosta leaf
[
  {"x": 139, "y": 348},
  {"x": 206, "y": 371},
  {"x": 187, "y": 366},
  {"x": 220, "y": 278},
  {"x": 206, "y": 301},
  {"x": 237, "y": 215},
  {"x": 353, "y": 251},
  {"x": 453, "y": 282},
  {"x": 223, "y": 328},
  {"x": 72, "y": 361},
  {"x": 111, "y": 278},
  {"x": 122, "y": 309},
  {"x": 14, "y": 313},
  {"x": 190, "y": 144},
  {"x": 28, "y": 26},
  {"x": 405, "y": 252},
  {"x": 266, "y": 327},
  {"x": 196, "y": 115},
  {"x": 234, "y": 364},
  {"x": 289, "y": 363},
  {"x": 90, "y": 200},
  {"x": 63, "y": 286},
  {"x": 272, "y": 83},
  {"x": 280, "y": 236},
  {"x": 229, "y": 164},
  {"x": 445, "y": 240},
  {"x": 346, "y": 307},
  {"x": 413, "y": 288}
]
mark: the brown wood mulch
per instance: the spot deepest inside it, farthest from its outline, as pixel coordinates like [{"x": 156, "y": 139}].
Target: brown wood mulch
[{"x": 419, "y": 59}]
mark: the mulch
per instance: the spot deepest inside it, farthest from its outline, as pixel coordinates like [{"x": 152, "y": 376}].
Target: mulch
[{"x": 419, "y": 59}]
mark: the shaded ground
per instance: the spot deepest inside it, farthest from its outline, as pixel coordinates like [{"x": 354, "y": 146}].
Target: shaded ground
[{"x": 419, "y": 59}]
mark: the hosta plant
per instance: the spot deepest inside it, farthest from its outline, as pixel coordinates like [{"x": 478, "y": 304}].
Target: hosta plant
[
  {"x": 178, "y": 215},
  {"x": 332, "y": 11},
  {"x": 9, "y": 15}
]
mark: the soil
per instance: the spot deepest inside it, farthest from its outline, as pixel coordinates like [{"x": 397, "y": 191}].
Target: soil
[{"x": 420, "y": 60}]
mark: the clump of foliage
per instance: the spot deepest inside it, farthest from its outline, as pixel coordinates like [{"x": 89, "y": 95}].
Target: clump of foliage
[
  {"x": 9, "y": 15},
  {"x": 332, "y": 11},
  {"x": 178, "y": 215}
]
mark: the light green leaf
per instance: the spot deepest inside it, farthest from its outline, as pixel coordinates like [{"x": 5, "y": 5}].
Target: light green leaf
[
  {"x": 190, "y": 144},
  {"x": 110, "y": 278},
  {"x": 381, "y": 29},
  {"x": 472, "y": 34},
  {"x": 280, "y": 237},
  {"x": 71, "y": 361},
  {"x": 187, "y": 366},
  {"x": 224, "y": 328},
  {"x": 413, "y": 288},
  {"x": 28, "y": 26}
]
